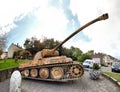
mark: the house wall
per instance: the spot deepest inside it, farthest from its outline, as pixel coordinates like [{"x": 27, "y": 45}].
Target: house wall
[
  {"x": 4, "y": 55},
  {"x": 98, "y": 56},
  {"x": 12, "y": 49},
  {"x": 104, "y": 59},
  {"x": 108, "y": 60}
]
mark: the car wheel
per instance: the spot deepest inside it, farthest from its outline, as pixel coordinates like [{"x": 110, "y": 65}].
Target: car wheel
[{"x": 112, "y": 70}]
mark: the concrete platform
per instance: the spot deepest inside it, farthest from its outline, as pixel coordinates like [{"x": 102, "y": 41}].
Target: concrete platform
[{"x": 85, "y": 84}]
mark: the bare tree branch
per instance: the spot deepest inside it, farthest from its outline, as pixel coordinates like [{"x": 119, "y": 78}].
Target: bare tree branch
[{"x": 3, "y": 40}]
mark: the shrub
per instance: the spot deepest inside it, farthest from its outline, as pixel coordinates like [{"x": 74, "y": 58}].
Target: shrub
[{"x": 96, "y": 66}]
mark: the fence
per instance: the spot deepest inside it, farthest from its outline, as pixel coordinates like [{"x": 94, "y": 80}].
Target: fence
[{"x": 5, "y": 74}]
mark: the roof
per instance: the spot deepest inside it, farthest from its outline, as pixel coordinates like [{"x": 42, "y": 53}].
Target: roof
[{"x": 17, "y": 45}]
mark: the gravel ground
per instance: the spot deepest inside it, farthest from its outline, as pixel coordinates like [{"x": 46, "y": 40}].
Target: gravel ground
[{"x": 85, "y": 84}]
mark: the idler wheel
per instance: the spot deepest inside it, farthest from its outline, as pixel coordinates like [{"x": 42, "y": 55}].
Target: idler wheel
[
  {"x": 26, "y": 72},
  {"x": 76, "y": 71},
  {"x": 57, "y": 73},
  {"x": 44, "y": 73},
  {"x": 34, "y": 73}
]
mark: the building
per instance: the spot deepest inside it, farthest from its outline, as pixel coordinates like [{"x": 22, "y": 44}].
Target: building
[
  {"x": 98, "y": 57},
  {"x": 4, "y": 55},
  {"x": 12, "y": 48},
  {"x": 103, "y": 58},
  {"x": 109, "y": 59}
]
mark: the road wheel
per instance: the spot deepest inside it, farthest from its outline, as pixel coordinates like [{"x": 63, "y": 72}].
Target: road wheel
[
  {"x": 76, "y": 71},
  {"x": 57, "y": 73},
  {"x": 44, "y": 73},
  {"x": 33, "y": 73},
  {"x": 26, "y": 72}
]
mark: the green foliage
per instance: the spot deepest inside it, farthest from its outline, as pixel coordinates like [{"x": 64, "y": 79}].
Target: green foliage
[
  {"x": 102, "y": 64},
  {"x": 10, "y": 63},
  {"x": 16, "y": 53},
  {"x": 73, "y": 52},
  {"x": 27, "y": 44},
  {"x": 34, "y": 45},
  {"x": 25, "y": 54},
  {"x": 96, "y": 66},
  {"x": 1, "y": 52},
  {"x": 113, "y": 75},
  {"x": 82, "y": 57},
  {"x": 76, "y": 52},
  {"x": 90, "y": 52},
  {"x": 50, "y": 43}
]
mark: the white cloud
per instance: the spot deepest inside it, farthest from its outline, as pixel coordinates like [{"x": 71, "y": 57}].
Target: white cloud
[
  {"x": 104, "y": 34},
  {"x": 14, "y": 10},
  {"x": 52, "y": 23}
]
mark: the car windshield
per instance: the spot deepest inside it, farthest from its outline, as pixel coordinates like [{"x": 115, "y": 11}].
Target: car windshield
[
  {"x": 87, "y": 61},
  {"x": 116, "y": 64}
]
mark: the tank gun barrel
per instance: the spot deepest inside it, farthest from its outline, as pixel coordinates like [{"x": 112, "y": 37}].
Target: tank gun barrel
[{"x": 102, "y": 17}]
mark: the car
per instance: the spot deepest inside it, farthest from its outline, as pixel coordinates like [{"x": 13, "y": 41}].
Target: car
[
  {"x": 88, "y": 63},
  {"x": 115, "y": 67}
]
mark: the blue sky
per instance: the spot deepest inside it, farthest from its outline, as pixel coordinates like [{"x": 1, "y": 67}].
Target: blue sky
[
  {"x": 21, "y": 32},
  {"x": 57, "y": 19}
]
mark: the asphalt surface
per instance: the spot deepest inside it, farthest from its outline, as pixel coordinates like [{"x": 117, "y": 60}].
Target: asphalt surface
[{"x": 85, "y": 84}]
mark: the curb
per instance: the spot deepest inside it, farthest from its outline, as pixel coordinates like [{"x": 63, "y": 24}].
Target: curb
[
  {"x": 86, "y": 69},
  {"x": 107, "y": 76},
  {"x": 112, "y": 79}
]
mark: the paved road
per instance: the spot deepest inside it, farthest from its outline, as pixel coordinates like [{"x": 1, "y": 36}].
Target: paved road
[{"x": 85, "y": 84}]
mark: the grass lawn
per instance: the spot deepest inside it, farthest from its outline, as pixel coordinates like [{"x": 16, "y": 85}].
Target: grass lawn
[
  {"x": 113, "y": 75},
  {"x": 9, "y": 63}
]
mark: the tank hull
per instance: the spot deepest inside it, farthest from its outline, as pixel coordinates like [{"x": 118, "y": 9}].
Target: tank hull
[{"x": 54, "y": 72}]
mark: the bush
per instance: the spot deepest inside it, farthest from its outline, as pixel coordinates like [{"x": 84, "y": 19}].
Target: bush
[
  {"x": 102, "y": 64},
  {"x": 96, "y": 66}
]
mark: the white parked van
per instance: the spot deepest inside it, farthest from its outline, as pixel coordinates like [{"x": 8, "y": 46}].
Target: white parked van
[{"x": 89, "y": 63}]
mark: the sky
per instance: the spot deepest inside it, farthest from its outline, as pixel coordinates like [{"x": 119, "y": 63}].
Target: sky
[{"x": 57, "y": 19}]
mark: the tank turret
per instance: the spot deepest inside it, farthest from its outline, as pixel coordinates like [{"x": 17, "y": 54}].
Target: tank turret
[{"x": 48, "y": 65}]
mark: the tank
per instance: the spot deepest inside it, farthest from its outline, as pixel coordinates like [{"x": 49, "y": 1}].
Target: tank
[{"x": 49, "y": 66}]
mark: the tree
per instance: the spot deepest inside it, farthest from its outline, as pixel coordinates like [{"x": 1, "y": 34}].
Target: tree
[
  {"x": 90, "y": 52},
  {"x": 34, "y": 45},
  {"x": 73, "y": 52},
  {"x": 50, "y": 43},
  {"x": 76, "y": 52},
  {"x": 1, "y": 52},
  {"x": 83, "y": 57},
  {"x": 16, "y": 53},
  {"x": 86, "y": 55},
  {"x": 25, "y": 54},
  {"x": 3, "y": 41},
  {"x": 27, "y": 44}
]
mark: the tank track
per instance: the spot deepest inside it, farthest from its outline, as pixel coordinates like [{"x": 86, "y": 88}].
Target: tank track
[{"x": 68, "y": 70}]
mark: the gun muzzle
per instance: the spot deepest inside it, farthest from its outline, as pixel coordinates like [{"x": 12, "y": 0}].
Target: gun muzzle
[{"x": 104, "y": 16}]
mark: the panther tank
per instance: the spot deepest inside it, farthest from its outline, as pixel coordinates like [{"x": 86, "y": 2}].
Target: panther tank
[{"x": 49, "y": 66}]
